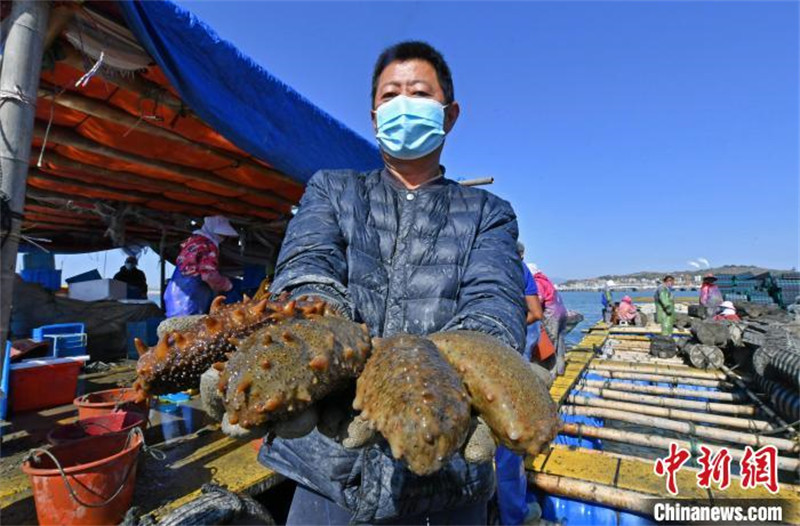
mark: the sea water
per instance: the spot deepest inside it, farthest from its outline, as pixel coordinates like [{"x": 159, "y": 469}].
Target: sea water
[{"x": 588, "y": 304}]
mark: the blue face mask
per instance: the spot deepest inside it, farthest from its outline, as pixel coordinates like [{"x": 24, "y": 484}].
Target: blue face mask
[{"x": 410, "y": 127}]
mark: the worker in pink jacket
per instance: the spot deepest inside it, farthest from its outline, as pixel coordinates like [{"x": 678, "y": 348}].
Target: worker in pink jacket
[
  {"x": 627, "y": 312},
  {"x": 555, "y": 316}
]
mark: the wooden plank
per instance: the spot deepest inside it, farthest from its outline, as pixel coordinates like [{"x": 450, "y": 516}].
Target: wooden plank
[
  {"x": 579, "y": 465},
  {"x": 638, "y": 475}
]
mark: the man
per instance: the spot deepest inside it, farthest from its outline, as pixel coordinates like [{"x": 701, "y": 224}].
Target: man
[
  {"x": 665, "y": 305},
  {"x": 534, "y": 307},
  {"x": 404, "y": 250},
  {"x": 607, "y": 301},
  {"x": 710, "y": 295},
  {"x": 135, "y": 278}
]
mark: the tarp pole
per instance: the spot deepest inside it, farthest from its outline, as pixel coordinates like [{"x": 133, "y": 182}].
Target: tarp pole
[
  {"x": 19, "y": 80},
  {"x": 161, "y": 248}
]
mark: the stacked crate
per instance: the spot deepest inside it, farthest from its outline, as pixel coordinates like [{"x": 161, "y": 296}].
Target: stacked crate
[
  {"x": 746, "y": 287},
  {"x": 788, "y": 287}
]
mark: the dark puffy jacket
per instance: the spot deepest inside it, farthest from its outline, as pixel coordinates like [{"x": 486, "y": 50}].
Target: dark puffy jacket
[{"x": 442, "y": 257}]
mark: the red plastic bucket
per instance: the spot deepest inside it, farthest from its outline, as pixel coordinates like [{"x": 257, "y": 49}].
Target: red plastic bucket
[
  {"x": 119, "y": 422},
  {"x": 85, "y": 482},
  {"x": 105, "y": 402}
]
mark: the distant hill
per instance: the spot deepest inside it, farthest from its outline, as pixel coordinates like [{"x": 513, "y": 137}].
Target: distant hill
[{"x": 651, "y": 275}]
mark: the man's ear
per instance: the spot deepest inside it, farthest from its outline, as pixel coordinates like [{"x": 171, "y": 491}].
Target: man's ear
[
  {"x": 451, "y": 113},
  {"x": 373, "y": 118}
]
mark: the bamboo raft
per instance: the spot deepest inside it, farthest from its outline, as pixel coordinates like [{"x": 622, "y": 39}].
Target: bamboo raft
[{"x": 646, "y": 404}]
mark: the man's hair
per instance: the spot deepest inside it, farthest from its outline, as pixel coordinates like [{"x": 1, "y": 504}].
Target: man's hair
[
  {"x": 520, "y": 248},
  {"x": 411, "y": 50},
  {"x": 668, "y": 276}
]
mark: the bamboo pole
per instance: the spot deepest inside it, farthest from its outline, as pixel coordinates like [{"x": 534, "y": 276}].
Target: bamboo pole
[
  {"x": 122, "y": 181},
  {"x": 688, "y": 428},
  {"x": 669, "y": 391},
  {"x": 477, "y": 182},
  {"x": 21, "y": 67},
  {"x": 669, "y": 412},
  {"x": 106, "y": 112},
  {"x": 660, "y": 378},
  {"x": 57, "y": 163},
  {"x": 659, "y": 442},
  {"x": 67, "y": 137},
  {"x": 734, "y": 409},
  {"x": 623, "y": 499},
  {"x": 666, "y": 371}
]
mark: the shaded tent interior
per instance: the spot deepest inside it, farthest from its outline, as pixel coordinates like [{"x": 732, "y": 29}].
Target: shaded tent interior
[{"x": 129, "y": 148}]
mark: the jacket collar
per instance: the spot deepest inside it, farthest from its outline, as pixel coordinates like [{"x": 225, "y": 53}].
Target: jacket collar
[{"x": 435, "y": 184}]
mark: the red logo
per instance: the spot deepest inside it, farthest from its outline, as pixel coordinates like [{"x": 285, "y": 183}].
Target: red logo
[
  {"x": 760, "y": 468},
  {"x": 670, "y": 465},
  {"x": 715, "y": 468},
  {"x": 757, "y": 468}
]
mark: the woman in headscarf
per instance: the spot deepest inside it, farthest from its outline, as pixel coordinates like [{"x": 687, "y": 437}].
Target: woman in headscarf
[
  {"x": 555, "y": 316},
  {"x": 197, "y": 278},
  {"x": 627, "y": 312},
  {"x": 710, "y": 295}
]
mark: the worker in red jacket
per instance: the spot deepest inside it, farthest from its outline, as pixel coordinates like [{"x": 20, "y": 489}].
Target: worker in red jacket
[{"x": 197, "y": 278}]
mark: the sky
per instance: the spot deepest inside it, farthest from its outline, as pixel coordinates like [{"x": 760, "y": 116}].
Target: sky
[{"x": 627, "y": 135}]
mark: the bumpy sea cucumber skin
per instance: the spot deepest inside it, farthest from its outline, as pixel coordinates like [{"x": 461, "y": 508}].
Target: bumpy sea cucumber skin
[
  {"x": 415, "y": 400},
  {"x": 281, "y": 369},
  {"x": 180, "y": 357},
  {"x": 512, "y": 400}
]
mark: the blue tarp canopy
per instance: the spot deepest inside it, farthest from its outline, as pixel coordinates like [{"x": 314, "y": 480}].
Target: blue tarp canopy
[{"x": 240, "y": 99}]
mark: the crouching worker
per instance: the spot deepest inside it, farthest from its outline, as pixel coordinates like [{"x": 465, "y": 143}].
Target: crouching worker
[
  {"x": 628, "y": 314},
  {"x": 404, "y": 250}
]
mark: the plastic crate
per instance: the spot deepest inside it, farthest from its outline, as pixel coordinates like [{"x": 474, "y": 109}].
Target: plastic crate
[
  {"x": 38, "y": 260},
  {"x": 67, "y": 339},
  {"x": 47, "y": 278},
  {"x": 39, "y": 384},
  {"x": 145, "y": 330}
]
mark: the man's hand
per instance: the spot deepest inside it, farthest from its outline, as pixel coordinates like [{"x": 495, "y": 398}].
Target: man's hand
[{"x": 359, "y": 433}]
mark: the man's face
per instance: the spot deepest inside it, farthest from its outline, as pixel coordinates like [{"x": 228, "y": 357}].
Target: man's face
[
  {"x": 670, "y": 283},
  {"x": 413, "y": 78}
]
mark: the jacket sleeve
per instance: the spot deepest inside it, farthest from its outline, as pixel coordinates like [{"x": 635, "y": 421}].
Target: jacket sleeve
[
  {"x": 312, "y": 260},
  {"x": 491, "y": 295}
]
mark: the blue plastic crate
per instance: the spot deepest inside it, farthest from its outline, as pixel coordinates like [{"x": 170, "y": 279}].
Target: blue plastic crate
[
  {"x": 38, "y": 260},
  {"x": 49, "y": 279},
  {"x": 67, "y": 339},
  {"x": 145, "y": 330},
  {"x": 58, "y": 328}
]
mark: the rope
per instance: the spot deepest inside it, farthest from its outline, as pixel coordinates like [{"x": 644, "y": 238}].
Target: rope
[
  {"x": 18, "y": 95},
  {"x": 47, "y": 130}
]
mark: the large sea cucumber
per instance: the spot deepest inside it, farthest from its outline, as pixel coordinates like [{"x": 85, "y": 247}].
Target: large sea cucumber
[
  {"x": 415, "y": 400},
  {"x": 281, "y": 369},
  {"x": 180, "y": 357},
  {"x": 513, "y": 401}
]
